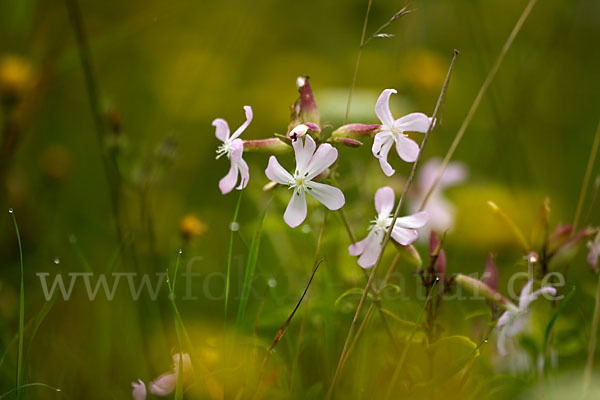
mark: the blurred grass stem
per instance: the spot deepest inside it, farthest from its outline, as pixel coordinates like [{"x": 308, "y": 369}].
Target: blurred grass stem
[
  {"x": 586, "y": 178},
  {"x": 478, "y": 98}
]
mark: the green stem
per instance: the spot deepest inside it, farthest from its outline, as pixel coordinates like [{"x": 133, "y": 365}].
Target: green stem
[
  {"x": 230, "y": 253},
  {"x": 21, "y": 311},
  {"x": 586, "y": 179}
]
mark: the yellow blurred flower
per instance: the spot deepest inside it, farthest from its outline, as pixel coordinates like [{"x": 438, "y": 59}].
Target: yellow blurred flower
[
  {"x": 191, "y": 226},
  {"x": 15, "y": 77}
]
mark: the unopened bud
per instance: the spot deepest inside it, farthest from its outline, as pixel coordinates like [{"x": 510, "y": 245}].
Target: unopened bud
[
  {"x": 356, "y": 131},
  {"x": 409, "y": 254},
  {"x": 490, "y": 276},
  {"x": 347, "y": 141},
  {"x": 479, "y": 288},
  {"x": 270, "y": 145},
  {"x": 305, "y": 108}
]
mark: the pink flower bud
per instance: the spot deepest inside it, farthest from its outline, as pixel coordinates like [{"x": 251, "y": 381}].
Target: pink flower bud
[
  {"x": 305, "y": 109},
  {"x": 356, "y": 131},
  {"x": 270, "y": 145},
  {"x": 490, "y": 276},
  {"x": 434, "y": 249},
  {"x": 479, "y": 288},
  {"x": 347, "y": 141}
]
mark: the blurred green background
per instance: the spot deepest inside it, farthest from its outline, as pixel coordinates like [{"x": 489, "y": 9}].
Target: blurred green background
[{"x": 165, "y": 70}]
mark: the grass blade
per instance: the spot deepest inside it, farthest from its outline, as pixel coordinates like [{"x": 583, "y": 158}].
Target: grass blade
[
  {"x": 21, "y": 310},
  {"x": 251, "y": 267}
]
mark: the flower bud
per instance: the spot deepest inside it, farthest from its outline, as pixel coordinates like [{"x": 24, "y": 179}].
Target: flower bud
[
  {"x": 270, "y": 145},
  {"x": 409, "y": 254},
  {"x": 568, "y": 249},
  {"x": 356, "y": 131},
  {"x": 436, "y": 252},
  {"x": 305, "y": 108},
  {"x": 479, "y": 288},
  {"x": 560, "y": 235},
  {"x": 347, "y": 141},
  {"x": 490, "y": 276}
]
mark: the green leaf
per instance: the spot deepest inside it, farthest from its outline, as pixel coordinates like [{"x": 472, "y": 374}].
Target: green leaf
[{"x": 251, "y": 267}]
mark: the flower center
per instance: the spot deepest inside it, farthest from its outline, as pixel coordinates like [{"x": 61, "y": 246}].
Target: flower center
[
  {"x": 299, "y": 182},
  {"x": 224, "y": 149},
  {"x": 381, "y": 223}
]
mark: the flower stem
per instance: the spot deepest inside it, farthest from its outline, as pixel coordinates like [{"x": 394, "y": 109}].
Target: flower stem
[
  {"x": 477, "y": 101},
  {"x": 230, "y": 252},
  {"x": 586, "y": 178},
  {"x": 21, "y": 311},
  {"x": 360, "y": 47},
  {"x": 389, "y": 231},
  {"x": 587, "y": 375}
]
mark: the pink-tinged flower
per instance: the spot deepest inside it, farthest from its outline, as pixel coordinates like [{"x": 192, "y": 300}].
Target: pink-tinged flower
[
  {"x": 490, "y": 276},
  {"x": 592, "y": 257},
  {"x": 392, "y": 132},
  {"x": 513, "y": 321},
  {"x": 309, "y": 164},
  {"x": 441, "y": 211},
  {"x": 404, "y": 232},
  {"x": 166, "y": 383},
  {"x": 139, "y": 390},
  {"x": 233, "y": 147}
]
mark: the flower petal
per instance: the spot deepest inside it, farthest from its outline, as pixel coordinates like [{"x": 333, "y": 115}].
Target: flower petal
[
  {"x": 222, "y": 129},
  {"x": 228, "y": 182},
  {"x": 381, "y": 147},
  {"x": 331, "y": 197},
  {"x": 414, "y": 122},
  {"x": 384, "y": 200},
  {"x": 356, "y": 249},
  {"x": 244, "y": 173},
  {"x": 304, "y": 152},
  {"x": 237, "y": 149},
  {"x": 243, "y": 127},
  {"x": 414, "y": 221},
  {"x": 295, "y": 213},
  {"x": 276, "y": 172},
  {"x": 404, "y": 236},
  {"x": 407, "y": 149},
  {"x": 382, "y": 108},
  {"x": 164, "y": 384},
  {"x": 325, "y": 155},
  {"x": 524, "y": 295},
  {"x": 139, "y": 390},
  {"x": 372, "y": 249}
]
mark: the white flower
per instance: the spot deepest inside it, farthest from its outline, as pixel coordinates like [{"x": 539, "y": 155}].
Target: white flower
[
  {"x": 233, "y": 147},
  {"x": 513, "y": 321},
  {"x": 139, "y": 390},
  {"x": 392, "y": 131},
  {"x": 441, "y": 211},
  {"x": 594, "y": 253},
  {"x": 404, "y": 231},
  {"x": 166, "y": 383},
  {"x": 309, "y": 164}
]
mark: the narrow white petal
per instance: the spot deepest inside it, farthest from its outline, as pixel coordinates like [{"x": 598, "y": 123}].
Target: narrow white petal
[
  {"x": 356, "y": 249},
  {"x": 407, "y": 149},
  {"x": 372, "y": 250},
  {"x": 222, "y": 129},
  {"x": 404, "y": 236},
  {"x": 415, "y": 122},
  {"x": 276, "y": 172},
  {"x": 384, "y": 200},
  {"x": 304, "y": 150},
  {"x": 295, "y": 213},
  {"x": 382, "y": 108},
  {"x": 244, "y": 173},
  {"x": 243, "y": 127},
  {"x": 325, "y": 155},
  {"x": 414, "y": 221},
  {"x": 228, "y": 182},
  {"x": 331, "y": 197}
]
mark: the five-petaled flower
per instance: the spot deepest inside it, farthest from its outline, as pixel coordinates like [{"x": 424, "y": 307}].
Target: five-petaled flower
[
  {"x": 393, "y": 131},
  {"x": 404, "y": 231},
  {"x": 309, "y": 164},
  {"x": 233, "y": 147},
  {"x": 513, "y": 321}
]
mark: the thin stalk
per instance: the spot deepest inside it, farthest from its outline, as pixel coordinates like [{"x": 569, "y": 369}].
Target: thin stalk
[
  {"x": 405, "y": 351},
  {"x": 587, "y": 375},
  {"x": 21, "y": 310},
  {"x": 586, "y": 178},
  {"x": 360, "y": 47},
  {"x": 477, "y": 101},
  {"x": 389, "y": 231},
  {"x": 230, "y": 252},
  {"x": 85, "y": 57}
]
